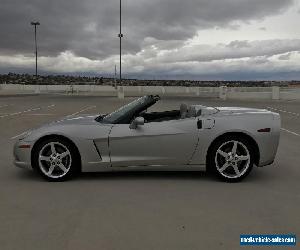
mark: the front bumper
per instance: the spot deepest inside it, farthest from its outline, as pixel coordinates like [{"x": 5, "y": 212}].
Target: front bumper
[{"x": 22, "y": 154}]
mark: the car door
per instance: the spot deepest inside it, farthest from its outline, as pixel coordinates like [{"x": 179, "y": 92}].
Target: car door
[{"x": 156, "y": 143}]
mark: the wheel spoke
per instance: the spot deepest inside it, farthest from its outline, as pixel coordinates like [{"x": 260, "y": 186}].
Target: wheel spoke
[
  {"x": 64, "y": 154},
  {"x": 224, "y": 167},
  {"x": 235, "y": 143},
  {"x": 62, "y": 167},
  {"x": 44, "y": 158},
  {"x": 224, "y": 154},
  {"x": 51, "y": 169},
  {"x": 53, "y": 150},
  {"x": 243, "y": 157},
  {"x": 236, "y": 170}
]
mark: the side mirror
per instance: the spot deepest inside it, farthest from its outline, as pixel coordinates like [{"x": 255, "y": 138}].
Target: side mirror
[{"x": 138, "y": 121}]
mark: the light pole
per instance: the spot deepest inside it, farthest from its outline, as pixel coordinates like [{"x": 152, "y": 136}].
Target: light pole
[
  {"x": 36, "y": 53},
  {"x": 115, "y": 80},
  {"x": 120, "y": 36}
]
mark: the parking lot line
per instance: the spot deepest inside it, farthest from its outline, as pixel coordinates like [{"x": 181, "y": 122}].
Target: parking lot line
[
  {"x": 18, "y": 113},
  {"x": 41, "y": 114},
  {"x": 284, "y": 111},
  {"x": 26, "y": 111},
  {"x": 3, "y": 106},
  {"x": 30, "y": 114},
  {"x": 85, "y": 109},
  {"x": 291, "y": 132}
]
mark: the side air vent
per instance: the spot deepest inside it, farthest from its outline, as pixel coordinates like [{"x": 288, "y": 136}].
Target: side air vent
[{"x": 97, "y": 150}]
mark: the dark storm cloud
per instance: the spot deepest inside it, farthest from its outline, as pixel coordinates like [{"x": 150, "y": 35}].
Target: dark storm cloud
[{"x": 89, "y": 28}]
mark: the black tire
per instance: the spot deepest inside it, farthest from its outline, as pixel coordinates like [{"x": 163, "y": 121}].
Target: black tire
[
  {"x": 63, "y": 167},
  {"x": 226, "y": 165}
]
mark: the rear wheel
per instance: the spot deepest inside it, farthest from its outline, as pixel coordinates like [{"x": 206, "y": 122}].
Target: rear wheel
[
  {"x": 231, "y": 158},
  {"x": 56, "y": 159}
]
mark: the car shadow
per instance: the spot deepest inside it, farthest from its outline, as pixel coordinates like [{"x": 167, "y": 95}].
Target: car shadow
[
  {"x": 195, "y": 176},
  {"x": 255, "y": 176},
  {"x": 124, "y": 175},
  {"x": 29, "y": 176},
  {"x": 151, "y": 175}
]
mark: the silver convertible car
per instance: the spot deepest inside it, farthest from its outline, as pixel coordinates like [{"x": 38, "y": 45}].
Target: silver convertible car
[{"x": 226, "y": 141}]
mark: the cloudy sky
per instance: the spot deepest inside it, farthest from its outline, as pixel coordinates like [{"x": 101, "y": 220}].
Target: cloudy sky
[{"x": 192, "y": 39}]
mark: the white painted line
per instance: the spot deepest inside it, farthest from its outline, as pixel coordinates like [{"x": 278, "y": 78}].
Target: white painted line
[
  {"x": 85, "y": 109},
  {"x": 284, "y": 111},
  {"x": 288, "y": 131},
  {"x": 25, "y": 111},
  {"x": 28, "y": 114},
  {"x": 35, "y": 109},
  {"x": 39, "y": 114},
  {"x": 18, "y": 113},
  {"x": 3, "y": 106}
]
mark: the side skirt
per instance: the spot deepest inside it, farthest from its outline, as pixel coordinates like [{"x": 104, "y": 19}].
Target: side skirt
[{"x": 184, "y": 168}]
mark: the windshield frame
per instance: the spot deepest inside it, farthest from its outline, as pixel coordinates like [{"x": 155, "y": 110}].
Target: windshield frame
[{"x": 126, "y": 113}]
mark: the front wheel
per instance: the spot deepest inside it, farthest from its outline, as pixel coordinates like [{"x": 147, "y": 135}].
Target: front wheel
[
  {"x": 55, "y": 159},
  {"x": 231, "y": 158}
]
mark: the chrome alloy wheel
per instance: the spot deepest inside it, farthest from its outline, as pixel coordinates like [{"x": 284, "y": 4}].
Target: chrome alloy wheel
[
  {"x": 232, "y": 159},
  {"x": 55, "y": 160}
]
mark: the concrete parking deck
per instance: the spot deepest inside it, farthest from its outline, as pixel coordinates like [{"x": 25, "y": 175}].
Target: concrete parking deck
[{"x": 137, "y": 210}]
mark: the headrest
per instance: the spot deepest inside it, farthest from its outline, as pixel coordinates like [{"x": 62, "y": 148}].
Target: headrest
[{"x": 194, "y": 111}]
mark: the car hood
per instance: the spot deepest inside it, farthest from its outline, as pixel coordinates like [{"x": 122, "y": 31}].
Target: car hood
[
  {"x": 74, "y": 120},
  {"x": 70, "y": 127},
  {"x": 70, "y": 120}
]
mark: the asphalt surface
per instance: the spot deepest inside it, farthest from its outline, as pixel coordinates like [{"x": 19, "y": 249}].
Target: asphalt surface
[{"x": 142, "y": 210}]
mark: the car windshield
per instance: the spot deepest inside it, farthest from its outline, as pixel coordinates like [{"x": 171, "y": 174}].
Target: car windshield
[{"x": 125, "y": 110}]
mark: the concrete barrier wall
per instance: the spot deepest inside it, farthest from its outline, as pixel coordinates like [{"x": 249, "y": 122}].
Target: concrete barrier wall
[
  {"x": 289, "y": 95},
  {"x": 169, "y": 90},
  {"x": 250, "y": 89},
  {"x": 249, "y": 95},
  {"x": 267, "y": 93}
]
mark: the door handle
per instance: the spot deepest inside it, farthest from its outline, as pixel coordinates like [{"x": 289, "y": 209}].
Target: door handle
[{"x": 199, "y": 124}]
